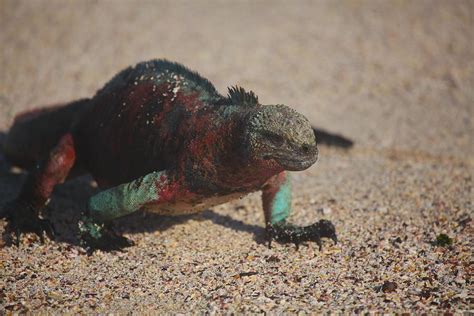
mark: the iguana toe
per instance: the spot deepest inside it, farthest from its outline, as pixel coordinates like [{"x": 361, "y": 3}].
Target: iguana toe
[
  {"x": 287, "y": 233},
  {"x": 318, "y": 230}
]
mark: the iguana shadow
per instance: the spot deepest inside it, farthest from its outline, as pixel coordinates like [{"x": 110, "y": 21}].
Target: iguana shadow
[
  {"x": 141, "y": 221},
  {"x": 69, "y": 201}
]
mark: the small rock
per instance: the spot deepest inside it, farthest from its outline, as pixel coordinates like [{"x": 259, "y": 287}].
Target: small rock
[
  {"x": 387, "y": 287},
  {"x": 443, "y": 240},
  {"x": 55, "y": 296},
  {"x": 325, "y": 210},
  {"x": 250, "y": 273},
  {"x": 272, "y": 258}
]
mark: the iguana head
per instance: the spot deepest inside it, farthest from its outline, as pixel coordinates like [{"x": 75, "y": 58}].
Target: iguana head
[{"x": 279, "y": 134}]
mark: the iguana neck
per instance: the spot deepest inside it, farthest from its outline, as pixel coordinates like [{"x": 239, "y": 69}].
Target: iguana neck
[
  {"x": 217, "y": 160},
  {"x": 239, "y": 169}
]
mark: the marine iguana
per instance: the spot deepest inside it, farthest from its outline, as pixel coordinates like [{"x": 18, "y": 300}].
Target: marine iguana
[{"x": 160, "y": 137}]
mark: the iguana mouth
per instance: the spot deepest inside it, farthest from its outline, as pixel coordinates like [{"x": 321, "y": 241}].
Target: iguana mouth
[
  {"x": 296, "y": 164},
  {"x": 293, "y": 163}
]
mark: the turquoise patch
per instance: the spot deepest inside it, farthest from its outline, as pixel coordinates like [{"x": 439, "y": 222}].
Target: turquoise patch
[
  {"x": 126, "y": 198},
  {"x": 281, "y": 205}
]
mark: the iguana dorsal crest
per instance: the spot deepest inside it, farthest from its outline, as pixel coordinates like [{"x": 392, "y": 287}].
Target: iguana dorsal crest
[{"x": 238, "y": 96}]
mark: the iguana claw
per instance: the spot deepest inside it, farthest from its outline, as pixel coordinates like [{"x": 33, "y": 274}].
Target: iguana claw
[
  {"x": 287, "y": 233},
  {"x": 23, "y": 217}
]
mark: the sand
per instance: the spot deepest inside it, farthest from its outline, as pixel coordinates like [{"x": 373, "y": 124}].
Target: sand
[{"x": 395, "y": 76}]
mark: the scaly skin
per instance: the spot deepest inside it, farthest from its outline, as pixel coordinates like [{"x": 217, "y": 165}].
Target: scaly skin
[{"x": 160, "y": 137}]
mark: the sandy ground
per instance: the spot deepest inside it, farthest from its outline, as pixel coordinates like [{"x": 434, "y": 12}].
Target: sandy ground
[{"x": 396, "y": 76}]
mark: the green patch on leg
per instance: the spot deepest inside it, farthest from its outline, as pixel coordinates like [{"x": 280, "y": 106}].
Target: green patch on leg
[
  {"x": 281, "y": 205},
  {"x": 126, "y": 198}
]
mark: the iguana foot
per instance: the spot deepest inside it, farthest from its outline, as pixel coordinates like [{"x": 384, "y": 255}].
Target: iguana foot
[
  {"x": 23, "y": 218},
  {"x": 95, "y": 235},
  {"x": 318, "y": 230},
  {"x": 287, "y": 233}
]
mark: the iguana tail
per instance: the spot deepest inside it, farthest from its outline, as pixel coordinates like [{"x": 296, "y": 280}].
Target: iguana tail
[
  {"x": 34, "y": 133},
  {"x": 330, "y": 139}
]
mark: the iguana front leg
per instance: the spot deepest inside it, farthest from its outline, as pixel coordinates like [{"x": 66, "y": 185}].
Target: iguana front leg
[
  {"x": 22, "y": 213},
  {"x": 276, "y": 198},
  {"x": 151, "y": 189}
]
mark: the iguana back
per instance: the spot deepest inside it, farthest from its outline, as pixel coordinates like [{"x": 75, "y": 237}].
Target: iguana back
[{"x": 142, "y": 119}]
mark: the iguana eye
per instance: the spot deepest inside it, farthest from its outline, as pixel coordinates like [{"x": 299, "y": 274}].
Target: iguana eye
[{"x": 275, "y": 139}]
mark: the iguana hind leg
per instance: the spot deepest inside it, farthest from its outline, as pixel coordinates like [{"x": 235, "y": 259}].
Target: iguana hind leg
[{"x": 22, "y": 213}]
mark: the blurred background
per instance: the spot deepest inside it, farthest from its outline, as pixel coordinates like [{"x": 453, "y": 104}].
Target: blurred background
[
  {"x": 395, "y": 76},
  {"x": 386, "y": 73}
]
